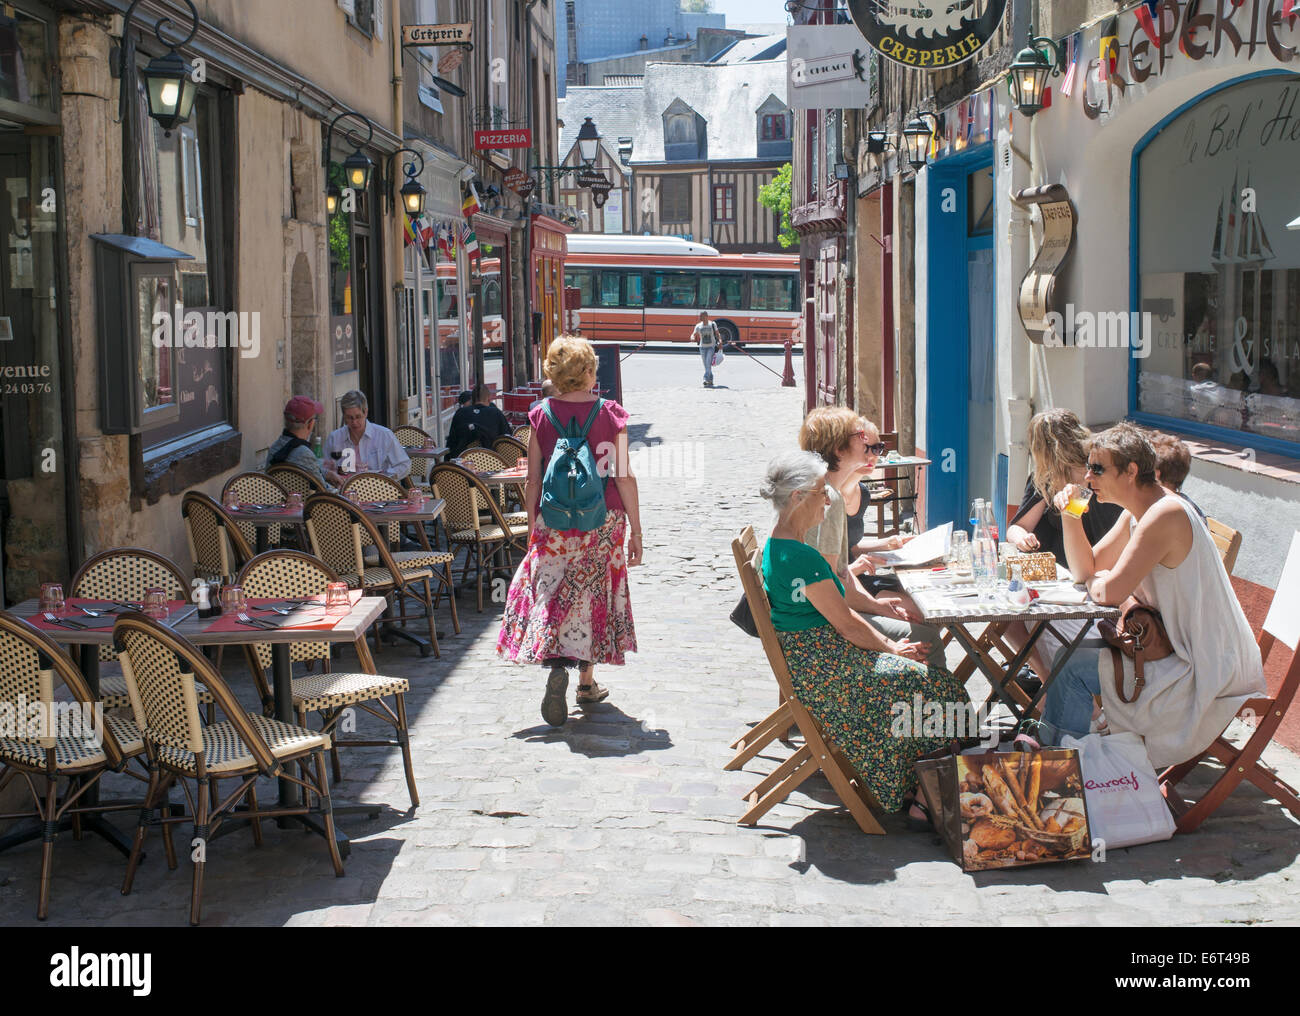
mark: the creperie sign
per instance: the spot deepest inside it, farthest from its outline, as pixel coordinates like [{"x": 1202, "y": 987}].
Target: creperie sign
[
  {"x": 1182, "y": 29},
  {"x": 437, "y": 35}
]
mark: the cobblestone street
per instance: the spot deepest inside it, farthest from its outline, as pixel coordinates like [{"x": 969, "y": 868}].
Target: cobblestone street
[{"x": 625, "y": 816}]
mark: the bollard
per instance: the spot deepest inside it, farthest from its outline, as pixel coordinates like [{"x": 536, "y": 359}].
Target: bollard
[{"x": 787, "y": 380}]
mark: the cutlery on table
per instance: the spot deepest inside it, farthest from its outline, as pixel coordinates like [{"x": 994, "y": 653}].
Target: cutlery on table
[
  {"x": 63, "y": 621},
  {"x": 255, "y": 622}
]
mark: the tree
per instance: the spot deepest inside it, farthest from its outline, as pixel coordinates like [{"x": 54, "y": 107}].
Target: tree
[{"x": 775, "y": 197}]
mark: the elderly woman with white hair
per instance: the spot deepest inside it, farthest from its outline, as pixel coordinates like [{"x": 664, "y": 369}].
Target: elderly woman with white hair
[{"x": 854, "y": 680}]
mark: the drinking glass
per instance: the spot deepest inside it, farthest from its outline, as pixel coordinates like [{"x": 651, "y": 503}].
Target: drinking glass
[
  {"x": 336, "y": 598},
  {"x": 294, "y": 501},
  {"x": 415, "y": 498},
  {"x": 232, "y": 600},
  {"x": 959, "y": 552},
  {"x": 523, "y": 463},
  {"x": 52, "y": 598},
  {"x": 232, "y": 500},
  {"x": 1079, "y": 500},
  {"x": 155, "y": 604}
]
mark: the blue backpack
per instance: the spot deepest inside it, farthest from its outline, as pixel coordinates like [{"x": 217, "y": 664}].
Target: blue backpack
[{"x": 573, "y": 491}]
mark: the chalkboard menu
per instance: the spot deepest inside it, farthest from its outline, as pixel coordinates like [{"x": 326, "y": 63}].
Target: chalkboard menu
[
  {"x": 344, "y": 340},
  {"x": 609, "y": 371}
]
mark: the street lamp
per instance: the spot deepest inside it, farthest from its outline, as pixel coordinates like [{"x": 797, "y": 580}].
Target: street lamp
[
  {"x": 412, "y": 191},
  {"x": 1027, "y": 78},
  {"x": 169, "y": 81},
  {"x": 588, "y": 141},
  {"x": 356, "y": 167},
  {"x": 916, "y": 137},
  {"x": 878, "y": 141}
]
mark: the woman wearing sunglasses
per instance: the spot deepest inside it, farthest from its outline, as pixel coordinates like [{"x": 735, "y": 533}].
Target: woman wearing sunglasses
[
  {"x": 1160, "y": 555},
  {"x": 857, "y": 500},
  {"x": 836, "y": 434}
]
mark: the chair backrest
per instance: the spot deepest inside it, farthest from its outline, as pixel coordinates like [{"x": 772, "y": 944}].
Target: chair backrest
[
  {"x": 295, "y": 480},
  {"x": 217, "y": 547},
  {"x": 459, "y": 490},
  {"x": 410, "y": 436},
  {"x": 286, "y": 574},
  {"x": 483, "y": 460},
  {"x": 338, "y": 530},
  {"x": 752, "y": 579},
  {"x": 524, "y": 434},
  {"x": 376, "y": 487},
  {"x": 510, "y": 449},
  {"x": 161, "y": 669},
  {"x": 125, "y": 574},
  {"x": 30, "y": 664},
  {"x": 1228, "y": 540},
  {"x": 255, "y": 488}
]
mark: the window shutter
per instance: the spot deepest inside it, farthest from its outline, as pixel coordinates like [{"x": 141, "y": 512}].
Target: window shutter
[
  {"x": 348, "y": 7},
  {"x": 378, "y": 19}
]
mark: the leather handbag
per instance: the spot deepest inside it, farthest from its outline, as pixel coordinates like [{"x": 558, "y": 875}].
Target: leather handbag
[
  {"x": 743, "y": 617},
  {"x": 1141, "y": 636}
]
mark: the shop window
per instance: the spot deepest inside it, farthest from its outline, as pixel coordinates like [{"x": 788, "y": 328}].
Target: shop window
[
  {"x": 1217, "y": 339},
  {"x": 25, "y": 62},
  {"x": 675, "y": 199},
  {"x": 724, "y": 202},
  {"x": 180, "y": 199}
]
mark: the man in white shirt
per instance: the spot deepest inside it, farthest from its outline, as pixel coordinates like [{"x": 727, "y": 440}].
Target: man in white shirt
[
  {"x": 360, "y": 446},
  {"x": 706, "y": 334}
]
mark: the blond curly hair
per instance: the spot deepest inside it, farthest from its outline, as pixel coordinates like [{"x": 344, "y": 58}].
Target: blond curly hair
[
  {"x": 827, "y": 430},
  {"x": 1058, "y": 446},
  {"x": 569, "y": 360}
]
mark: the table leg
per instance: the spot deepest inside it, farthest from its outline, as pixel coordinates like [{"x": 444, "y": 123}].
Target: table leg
[
  {"x": 262, "y": 538},
  {"x": 1063, "y": 656},
  {"x": 998, "y": 676}
]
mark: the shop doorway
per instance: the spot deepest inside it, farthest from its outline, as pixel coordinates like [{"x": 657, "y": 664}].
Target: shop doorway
[{"x": 34, "y": 532}]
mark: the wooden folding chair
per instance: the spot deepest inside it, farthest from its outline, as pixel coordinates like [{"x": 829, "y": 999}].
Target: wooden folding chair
[
  {"x": 779, "y": 720},
  {"x": 816, "y": 754},
  {"x": 1243, "y": 763},
  {"x": 1228, "y": 540}
]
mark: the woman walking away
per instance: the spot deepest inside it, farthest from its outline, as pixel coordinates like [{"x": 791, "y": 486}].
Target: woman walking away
[
  {"x": 706, "y": 334},
  {"x": 568, "y": 603}
]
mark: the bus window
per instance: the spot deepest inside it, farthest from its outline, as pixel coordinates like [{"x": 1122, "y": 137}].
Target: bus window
[
  {"x": 491, "y": 296},
  {"x": 609, "y": 289},
  {"x": 635, "y": 289},
  {"x": 772, "y": 292},
  {"x": 583, "y": 279},
  {"x": 672, "y": 289},
  {"x": 720, "y": 292}
]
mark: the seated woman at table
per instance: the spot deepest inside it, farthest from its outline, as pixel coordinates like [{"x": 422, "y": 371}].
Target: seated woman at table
[
  {"x": 1159, "y": 554},
  {"x": 844, "y": 671},
  {"x": 839, "y": 437},
  {"x": 1059, "y": 456},
  {"x": 857, "y": 500}
]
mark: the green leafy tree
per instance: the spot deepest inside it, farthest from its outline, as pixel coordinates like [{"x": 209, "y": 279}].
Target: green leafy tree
[{"x": 775, "y": 196}]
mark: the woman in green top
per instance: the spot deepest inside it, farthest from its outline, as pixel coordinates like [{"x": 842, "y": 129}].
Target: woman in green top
[{"x": 860, "y": 685}]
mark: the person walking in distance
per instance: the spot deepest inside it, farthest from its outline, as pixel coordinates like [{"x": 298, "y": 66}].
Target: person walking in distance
[{"x": 706, "y": 335}]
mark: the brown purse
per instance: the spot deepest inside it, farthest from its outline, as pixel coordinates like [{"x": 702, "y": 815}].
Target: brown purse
[{"x": 1141, "y": 636}]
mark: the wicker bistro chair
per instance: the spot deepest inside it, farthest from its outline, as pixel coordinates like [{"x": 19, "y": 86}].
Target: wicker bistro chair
[
  {"x": 510, "y": 449},
  {"x": 125, "y": 575},
  {"x": 378, "y": 487},
  {"x": 256, "y": 488},
  {"x": 522, "y": 434},
  {"x": 465, "y": 496},
  {"x": 60, "y": 747},
  {"x": 484, "y": 460},
  {"x": 217, "y": 547},
  {"x": 288, "y": 573},
  {"x": 295, "y": 480},
  {"x": 335, "y": 527},
  {"x": 161, "y": 671},
  {"x": 410, "y": 436}
]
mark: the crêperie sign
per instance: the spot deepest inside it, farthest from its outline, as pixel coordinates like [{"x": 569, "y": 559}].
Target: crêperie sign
[{"x": 927, "y": 34}]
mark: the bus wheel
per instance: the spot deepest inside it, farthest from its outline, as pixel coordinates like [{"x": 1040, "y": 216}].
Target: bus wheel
[{"x": 728, "y": 335}]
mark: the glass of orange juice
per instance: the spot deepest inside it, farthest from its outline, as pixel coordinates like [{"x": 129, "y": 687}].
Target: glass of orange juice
[{"x": 1079, "y": 498}]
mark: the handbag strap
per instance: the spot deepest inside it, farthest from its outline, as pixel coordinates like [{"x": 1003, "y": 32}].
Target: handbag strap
[{"x": 1139, "y": 679}]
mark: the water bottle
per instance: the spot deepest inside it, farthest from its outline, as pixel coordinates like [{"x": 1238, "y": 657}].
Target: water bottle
[
  {"x": 316, "y": 448},
  {"x": 989, "y": 521}
]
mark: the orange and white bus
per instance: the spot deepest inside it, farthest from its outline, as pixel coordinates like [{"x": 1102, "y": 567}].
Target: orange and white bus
[
  {"x": 652, "y": 289},
  {"x": 449, "y": 304}
]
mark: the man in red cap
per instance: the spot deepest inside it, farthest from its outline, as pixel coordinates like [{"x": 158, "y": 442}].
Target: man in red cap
[{"x": 294, "y": 443}]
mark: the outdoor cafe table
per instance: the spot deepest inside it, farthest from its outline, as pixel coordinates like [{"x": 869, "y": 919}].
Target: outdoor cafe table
[
  {"x": 903, "y": 463},
  {"x": 949, "y": 605},
  {"x": 263, "y": 516},
  {"x": 426, "y": 452},
  {"x": 350, "y": 628}
]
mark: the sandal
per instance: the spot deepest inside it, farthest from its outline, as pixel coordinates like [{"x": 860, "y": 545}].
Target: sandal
[
  {"x": 588, "y": 693},
  {"x": 919, "y": 825},
  {"x": 554, "y": 708}
]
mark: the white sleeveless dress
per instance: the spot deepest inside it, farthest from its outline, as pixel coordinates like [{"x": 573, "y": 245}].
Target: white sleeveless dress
[{"x": 1192, "y": 694}]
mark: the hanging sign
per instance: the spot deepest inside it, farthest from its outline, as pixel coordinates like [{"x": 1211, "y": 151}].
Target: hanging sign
[
  {"x": 514, "y": 179},
  {"x": 1038, "y": 297},
  {"x": 450, "y": 60},
  {"x": 591, "y": 177},
  {"x": 521, "y": 137},
  {"x": 437, "y": 35},
  {"x": 830, "y": 67},
  {"x": 927, "y": 35}
]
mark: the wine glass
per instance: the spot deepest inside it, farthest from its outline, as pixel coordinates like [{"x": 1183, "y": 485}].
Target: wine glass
[{"x": 52, "y": 601}]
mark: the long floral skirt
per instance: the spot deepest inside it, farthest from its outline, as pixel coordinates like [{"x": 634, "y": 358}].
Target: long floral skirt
[
  {"x": 569, "y": 597},
  {"x": 865, "y": 702}
]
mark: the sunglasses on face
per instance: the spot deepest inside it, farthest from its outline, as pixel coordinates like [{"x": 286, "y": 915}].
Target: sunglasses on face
[
  {"x": 876, "y": 449},
  {"x": 1096, "y": 468}
]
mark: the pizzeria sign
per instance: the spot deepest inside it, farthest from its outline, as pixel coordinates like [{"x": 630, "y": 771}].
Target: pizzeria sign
[{"x": 517, "y": 138}]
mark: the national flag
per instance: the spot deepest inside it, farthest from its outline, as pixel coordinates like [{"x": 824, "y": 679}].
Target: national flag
[
  {"x": 1144, "y": 13},
  {"x": 470, "y": 205},
  {"x": 446, "y": 243},
  {"x": 1071, "y": 64},
  {"x": 409, "y": 230},
  {"x": 469, "y": 240},
  {"x": 426, "y": 231},
  {"x": 1289, "y": 7},
  {"x": 1108, "y": 48}
]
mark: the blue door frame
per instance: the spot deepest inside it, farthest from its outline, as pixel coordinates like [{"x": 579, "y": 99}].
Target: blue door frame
[{"x": 947, "y": 384}]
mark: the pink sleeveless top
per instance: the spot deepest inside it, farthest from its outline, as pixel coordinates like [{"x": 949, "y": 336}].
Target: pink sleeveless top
[{"x": 604, "y": 432}]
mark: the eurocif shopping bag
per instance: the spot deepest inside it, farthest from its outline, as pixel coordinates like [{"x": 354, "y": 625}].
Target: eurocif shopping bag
[{"x": 1125, "y": 806}]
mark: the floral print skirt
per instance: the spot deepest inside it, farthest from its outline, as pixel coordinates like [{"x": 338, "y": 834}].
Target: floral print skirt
[
  {"x": 569, "y": 597},
  {"x": 860, "y": 696}
]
